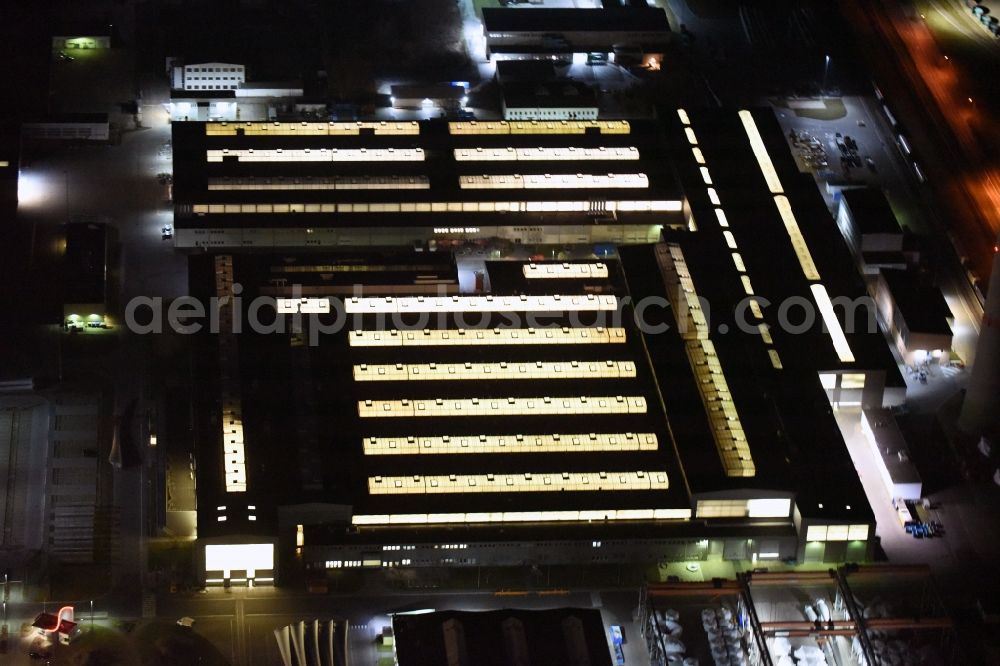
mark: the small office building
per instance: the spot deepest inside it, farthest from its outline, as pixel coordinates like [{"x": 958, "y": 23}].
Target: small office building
[{"x": 916, "y": 316}]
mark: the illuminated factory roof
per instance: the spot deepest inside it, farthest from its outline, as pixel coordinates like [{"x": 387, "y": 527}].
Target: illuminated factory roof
[
  {"x": 716, "y": 409},
  {"x": 403, "y": 174},
  {"x": 557, "y": 423}
]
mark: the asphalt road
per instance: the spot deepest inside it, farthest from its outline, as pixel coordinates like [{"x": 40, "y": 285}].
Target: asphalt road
[{"x": 934, "y": 95}]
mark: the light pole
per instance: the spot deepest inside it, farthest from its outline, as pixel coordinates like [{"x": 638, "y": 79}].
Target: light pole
[
  {"x": 826, "y": 70},
  {"x": 91, "y": 616}
]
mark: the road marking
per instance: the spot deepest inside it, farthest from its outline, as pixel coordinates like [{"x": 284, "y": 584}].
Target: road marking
[{"x": 241, "y": 626}]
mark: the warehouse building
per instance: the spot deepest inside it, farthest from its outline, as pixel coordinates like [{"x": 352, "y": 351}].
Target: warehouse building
[{"x": 660, "y": 406}]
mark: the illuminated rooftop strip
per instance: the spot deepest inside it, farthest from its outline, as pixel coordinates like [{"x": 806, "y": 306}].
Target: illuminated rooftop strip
[
  {"x": 454, "y": 407},
  {"x": 493, "y": 336},
  {"x": 554, "y": 181},
  {"x": 775, "y": 359},
  {"x": 691, "y": 137},
  {"x": 528, "y": 482},
  {"x": 234, "y": 451},
  {"x": 798, "y": 240},
  {"x": 303, "y": 305},
  {"x": 600, "y": 515},
  {"x": 442, "y": 207},
  {"x": 522, "y": 303},
  {"x": 311, "y": 129},
  {"x": 317, "y": 155},
  {"x": 473, "y": 444},
  {"x": 540, "y": 127},
  {"x": 322, "y": 183},
  {"x": 723, "y": 418},
  {"x": 705, "y": 175},
  {"x": 571, "y": 153},
  {"x": 832, "y": 324},
  {"x": 565, "y": 270},
  {"x": 721, "y": 216},
  {"x": 681, "y": 292},
  {"x": 491, "y": 371},
  {"x": 760, "y": 152},
  {"x": 699, "y": 156},
  {"x": 683, "y": 115},
  {"x": 233, "y": 444}
]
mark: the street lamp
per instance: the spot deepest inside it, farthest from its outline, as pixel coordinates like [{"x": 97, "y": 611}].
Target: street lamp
[
  {"x": 826, "y": 70},
  {"x": 91, "y": 615}
]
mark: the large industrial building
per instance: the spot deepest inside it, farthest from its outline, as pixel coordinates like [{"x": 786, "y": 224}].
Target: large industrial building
[
  {"x": 675, "y": 402},
  {"x": 377, "y": 184}
]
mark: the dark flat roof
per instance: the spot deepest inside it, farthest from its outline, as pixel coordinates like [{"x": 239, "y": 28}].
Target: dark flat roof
[
  {"x": 920, "y": 303},
  {"x": 550, "y": 94},
  {"x": 438, "y": 91},
  {"x": 84, "y": 263},
  {"x": 631, "y": 19},
  {"x": 525, "y": 70},
  {"x": 871, "y": 211},
  {"x": 495, "y": 638}
]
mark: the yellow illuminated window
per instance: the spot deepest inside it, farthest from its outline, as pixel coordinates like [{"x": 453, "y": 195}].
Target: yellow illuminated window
[
  {"x": 769, "y": 508},
  {"x": 853, "y": 380},
  {"x": 565, "y": 270},
  {"x": 527, "y": 482},
  {"x": 760, "y": 152},
  {"x": 589, "y": 515},
  {"x": 318, "y": 155},
  {"x": 554, "y": 181},
  {"x": 828, "y": 380},
  {"x": 572, "y": 154},
  {"x": 516, "y": 444},
  {"x": 441, "y": 407},
  {"x": 539, "y": 127},
  {"x": 816, "y": 533},
  {"x": 523, "y": 303},
  {"x": 721, "y": 509},
  {"x": 832, "y": 324},
  {"x": 496, "y": 371},
  {"x": 310, "y": 129},
  {"x": 858, "y": 533},
  {"x": 837, "y": 533},
  {"x": 656, "y": 206},
  {"x": 493, "y": 336},
  {"x": 798, "y": 240},
  {"x": 321, "y": 183}
]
